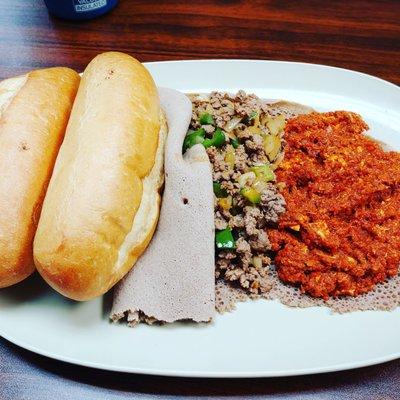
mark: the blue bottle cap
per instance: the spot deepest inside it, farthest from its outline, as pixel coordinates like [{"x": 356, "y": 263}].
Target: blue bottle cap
[{"x": 79, "y": 9}]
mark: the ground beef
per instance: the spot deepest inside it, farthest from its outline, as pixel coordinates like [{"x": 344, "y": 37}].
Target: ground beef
[
  {"x": 241, "y": 117},
  {"x": 220, "y": 222},
  {"x": 272, "y": 205}
]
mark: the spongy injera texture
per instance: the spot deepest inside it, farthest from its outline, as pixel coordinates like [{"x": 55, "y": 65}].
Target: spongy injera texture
[{"x": 385, "y": 297}]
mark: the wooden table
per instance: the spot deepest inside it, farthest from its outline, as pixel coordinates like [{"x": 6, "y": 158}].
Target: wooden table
[
  {"x": 362, "y": 35},
  {"x": 357, "y": 34}
]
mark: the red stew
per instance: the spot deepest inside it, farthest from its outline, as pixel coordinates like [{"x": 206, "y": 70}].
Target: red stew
[{"x": 341, "y": 232}]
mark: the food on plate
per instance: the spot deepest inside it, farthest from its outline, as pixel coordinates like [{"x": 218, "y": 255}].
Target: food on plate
[
  {"x": 34, "y": 110},
  {"x": 244, "y": 145},
  {"x": 103, "y": 199},
  {"x": 340, "y": 232},
  {"x": 265, "y": 197},
  {"x": 174, "y": 279},
  {"x": 168, "y": 284},
  {"x": 243, "y": 139}
]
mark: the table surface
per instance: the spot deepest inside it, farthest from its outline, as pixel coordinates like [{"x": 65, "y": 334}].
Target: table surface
[{"x": 361, "y": 35}]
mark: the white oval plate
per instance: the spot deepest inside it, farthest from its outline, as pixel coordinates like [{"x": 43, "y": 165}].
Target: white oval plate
[{"x": 260, "y": 339}]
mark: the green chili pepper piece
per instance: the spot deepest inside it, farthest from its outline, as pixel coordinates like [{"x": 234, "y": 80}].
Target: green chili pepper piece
[
  {"x": 235, "y": 143},
  {"x": 193, "y": 138},
  {"x": 206, "y": 119},
  {"x": 251, "y": 195},
  {"x": 253, "y": 115},
  {"x": 217, "y": 140},
  {"x": 219, "y": 191},
  {"x": 263, "y": 172},
  {"x": 208, "y": 143},
  {"x": 224, "y": 239}
]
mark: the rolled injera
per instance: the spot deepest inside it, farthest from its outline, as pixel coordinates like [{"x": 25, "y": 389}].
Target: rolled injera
[{"x": 174, "y": 278}]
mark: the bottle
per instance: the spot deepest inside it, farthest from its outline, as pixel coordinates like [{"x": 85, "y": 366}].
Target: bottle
[{"x": 79, "y": 9}]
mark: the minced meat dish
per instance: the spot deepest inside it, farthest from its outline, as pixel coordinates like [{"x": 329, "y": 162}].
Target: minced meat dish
[{"x": 244, "y": 145}]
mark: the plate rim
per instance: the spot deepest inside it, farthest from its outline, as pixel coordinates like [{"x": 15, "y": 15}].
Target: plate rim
[
  {"x": 204, "y": 374},
  {"x": 298, "y": 63}
]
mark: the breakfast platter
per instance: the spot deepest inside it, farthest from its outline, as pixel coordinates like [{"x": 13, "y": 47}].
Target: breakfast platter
[{"x": 263, "y": 241}]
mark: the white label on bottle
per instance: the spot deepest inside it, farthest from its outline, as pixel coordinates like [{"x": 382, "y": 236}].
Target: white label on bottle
[{"x": 88, "y": 5}]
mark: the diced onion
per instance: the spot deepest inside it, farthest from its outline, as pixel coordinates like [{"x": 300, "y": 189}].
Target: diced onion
[
  {"x": 243, "y": 179},
  {"x": 257, "y": 262},
  {"x": 277, "y": 124},
  {"x": 225, "y": 203},
  {"x": 278, "y": 161},
  {"x": 255, "y": 130},
  {"x": 260, "y": 185},
  {"x": 230, "y": 158},
  {"x": 232, "y": 124},
  {"x": 272, "y": 146}
]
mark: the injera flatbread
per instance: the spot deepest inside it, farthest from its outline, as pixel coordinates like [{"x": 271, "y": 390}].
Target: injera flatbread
[
  {"x": 174, "y": 279},
  {"x": 385, "y": 296}
]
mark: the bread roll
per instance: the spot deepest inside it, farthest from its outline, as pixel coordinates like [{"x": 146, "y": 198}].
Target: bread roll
[
  {"x": 34, "y": 111},
  {"x": 103, "y": 200}
]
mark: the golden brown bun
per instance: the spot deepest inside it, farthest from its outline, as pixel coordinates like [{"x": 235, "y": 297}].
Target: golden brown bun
[
  {"x": 34, "y": 111},
  {"x": 103, "y": 200}
]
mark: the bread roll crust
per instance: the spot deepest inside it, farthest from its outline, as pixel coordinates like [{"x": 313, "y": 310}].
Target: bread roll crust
[
  {"x": 34, "y": 111},
  {"x": 101, "y": 182}
]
